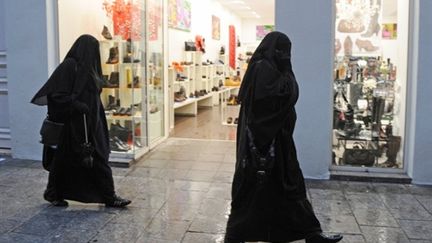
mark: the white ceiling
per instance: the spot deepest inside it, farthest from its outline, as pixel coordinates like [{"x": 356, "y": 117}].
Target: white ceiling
[{"x": 255, "y": 9}]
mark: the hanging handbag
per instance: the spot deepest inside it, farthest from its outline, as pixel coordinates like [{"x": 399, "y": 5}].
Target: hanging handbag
[
  {"x": 359, "y": 155},
  {"x": 50, "y": 132},
  {"x": 190, "y": 46}
]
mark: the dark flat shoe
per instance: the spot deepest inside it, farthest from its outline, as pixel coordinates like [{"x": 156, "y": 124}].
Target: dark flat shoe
[
  {"x": 321, "y": 238},
  {"x": 55, "y": 202},
  {"x": 117, "y": 202}
]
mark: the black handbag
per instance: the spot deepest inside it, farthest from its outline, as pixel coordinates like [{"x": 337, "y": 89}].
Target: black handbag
[
  {"x": 190, "y": 46},
  {"x": 50, "y": 132},
  {"x": 359, "y": 155}
]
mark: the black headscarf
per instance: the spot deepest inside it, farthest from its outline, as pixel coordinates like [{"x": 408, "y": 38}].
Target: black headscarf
[
  {"x": 274, "y": 48},
  {"x": 85, "y": 55}
]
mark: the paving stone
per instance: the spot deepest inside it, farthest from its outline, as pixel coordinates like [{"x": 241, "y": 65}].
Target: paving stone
[
  {"x": 405, "y": 206},
  {"x": 426, "y": 202},
  {"x": 118, "y": 233},
  {"x": 208, "y": 225},
  {"x": 153, "y": 163},
  {"x": 167, "y": 230},
  {"x": 76, "y": 236},
  {"x": 177, "y": 212},
  {"x": 375, "y": 217},
  {"x": 139, "y": 217},
  {"x": 421, "y": 230},
  {"x": 192, "y": 185},
  {"x": 224, "y": 177},
  {"x": 177, "y": 174},
  {"x": 390, "y": 188},
  {"x": 207, "y": 166},
  {"x": 7, "y": 225},
  {"x": 22, "y": 238},
  {"x": 147, "y": 239},
  {"x": 352, "y": 239},
  {"x": 331, "y": 207},
  {"x": 322, "y": 194},
  {"x": 214, "y": 208},
  {"x": 179, "y": 164},
  {"x": 420, "y": 190},
  {"x": 145, "y": 172},
  {"x": 357, "y": 187},
  {"x": 211, "y": 157},
  {"x": 375, "y": 234},
  {"x": 192, "y": 237},
  {"x": 323, "y": 184},
  {"x": 339, "y": 223},
  {"x": 199, "y": 175},
  {"x": 42, "y": 225},
  {"x": 365, "y": 201},
  {"x": 220, "y": 190},
  {"x": 421, "y": 241},
  {"x": 227, "y": 167}
]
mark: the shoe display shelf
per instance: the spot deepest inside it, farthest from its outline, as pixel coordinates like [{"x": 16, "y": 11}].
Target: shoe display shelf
[
  {"x": 155, "y": 96},
  {"x": 229, "y": 109},
  {"x": 123, "y": 96}
]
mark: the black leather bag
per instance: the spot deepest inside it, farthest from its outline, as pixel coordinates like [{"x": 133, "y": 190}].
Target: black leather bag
[
  {"x": 190, "y": 46},
  {"x": 50, "y": 132},
  {"x": 359, "y": 155}
]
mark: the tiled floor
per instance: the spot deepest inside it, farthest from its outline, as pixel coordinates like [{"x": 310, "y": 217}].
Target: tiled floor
[{"x": 181, "y": 193}]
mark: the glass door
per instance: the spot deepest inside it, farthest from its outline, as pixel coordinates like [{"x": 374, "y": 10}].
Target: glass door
[{"x": 155, "y": 70}]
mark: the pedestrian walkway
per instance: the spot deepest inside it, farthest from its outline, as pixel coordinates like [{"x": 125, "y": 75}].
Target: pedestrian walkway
[{"x": 181, "y": 193}]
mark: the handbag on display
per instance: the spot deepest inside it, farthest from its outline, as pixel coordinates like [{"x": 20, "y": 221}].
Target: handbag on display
[
  {"x": 50, "y": 132},
  {"x": 359, "y": 155},
  {"x": 190, "y": 46}
]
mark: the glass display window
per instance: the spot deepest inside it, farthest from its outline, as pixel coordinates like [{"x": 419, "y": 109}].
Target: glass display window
[
  {"x": 130, "y": 34},
  {"x": 370, "y": 73}
]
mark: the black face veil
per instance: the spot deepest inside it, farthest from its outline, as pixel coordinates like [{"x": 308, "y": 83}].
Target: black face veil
[
  {"x": 276, "y": 49},
  {"x": 85, "y": 52}
]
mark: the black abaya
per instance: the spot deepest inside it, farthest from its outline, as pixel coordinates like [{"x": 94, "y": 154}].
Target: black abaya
[
  {"x": 276, "y": 210},
  {"x": 72, "y": 89}
]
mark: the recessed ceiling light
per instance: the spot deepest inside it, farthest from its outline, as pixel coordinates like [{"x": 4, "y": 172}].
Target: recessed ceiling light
[{"x": 237, "y": 2}]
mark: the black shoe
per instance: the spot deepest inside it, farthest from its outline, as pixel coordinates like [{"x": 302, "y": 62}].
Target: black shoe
[
  {"x": 113, "y": 56},
  {"x": 106, "y": 33},
  {"x": 321, "y": 238},
  {"x": 117, "y": 202},
  {"x": 55, "y": 202}
]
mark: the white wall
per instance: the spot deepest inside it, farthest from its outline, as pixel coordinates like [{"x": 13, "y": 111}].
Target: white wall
[
  {"x": 420, "y": 105},
  {"x": 248, "y": 37},
  {"x": 202, "y": 11},
  {"x": 310, "y": 26},
  {"x": 79, "y": 17},
  {"x": 28, "y": 55}
]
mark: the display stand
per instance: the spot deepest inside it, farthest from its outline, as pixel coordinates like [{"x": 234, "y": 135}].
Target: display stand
[{"x": 122, "y": 96}]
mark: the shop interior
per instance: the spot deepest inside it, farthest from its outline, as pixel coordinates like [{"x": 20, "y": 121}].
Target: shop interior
[
  {"x": 172, "y": 68},
  {"x": 207, "y": 64},
  {"x": 370, "y": 73}
]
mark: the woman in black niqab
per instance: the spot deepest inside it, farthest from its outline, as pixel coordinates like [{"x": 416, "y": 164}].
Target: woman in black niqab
[
  {"x": 73, "y": 90},
  {"x": 269, "y": 200}
]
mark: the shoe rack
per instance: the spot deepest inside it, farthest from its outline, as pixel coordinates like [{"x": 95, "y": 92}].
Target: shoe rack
[
  {"x": 200, "y": 82},
  {"x": 123, "y": 96}
]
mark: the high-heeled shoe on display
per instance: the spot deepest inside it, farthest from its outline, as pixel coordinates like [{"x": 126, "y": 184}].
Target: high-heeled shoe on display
[
  {"x": 348, "y": 45},
  {"x": 366, "y": 45},
  {"x": 106, "y": 33},
  {"x": 113, "y": 56},
  {"x": 321, "y": 238},
  {"x": 338, "y": 46},
  {"x": 374, "y": 27}
]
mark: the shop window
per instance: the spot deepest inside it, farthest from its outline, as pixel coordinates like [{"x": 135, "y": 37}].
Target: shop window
[
  {"x": 370, "y": 70},
  {"x": 130, "y": 34}
]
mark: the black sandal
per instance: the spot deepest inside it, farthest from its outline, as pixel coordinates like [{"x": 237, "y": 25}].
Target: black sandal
[{"x": 117, "y": 202}]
